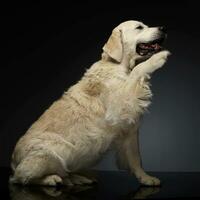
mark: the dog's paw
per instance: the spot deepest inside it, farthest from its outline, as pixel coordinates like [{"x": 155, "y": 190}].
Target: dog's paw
[
  {"x": 150, "y": 65},
  {"x": 149, "y": 180},
  {"x": 52, "y": 180},
  {"x": 158, "y": 60}
]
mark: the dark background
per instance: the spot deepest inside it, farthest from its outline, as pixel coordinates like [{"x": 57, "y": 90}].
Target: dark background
[{"x": 46, "y": 48}]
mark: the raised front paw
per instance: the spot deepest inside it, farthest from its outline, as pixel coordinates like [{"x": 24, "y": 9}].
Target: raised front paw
[
  {"x": 158, "y": 60},
  {"x": 150, "y": 65},
  {"x": 148, "y": 180}
]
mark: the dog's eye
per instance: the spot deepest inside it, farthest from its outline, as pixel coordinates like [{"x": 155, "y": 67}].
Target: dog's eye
[{"x": 139, "y": 27}]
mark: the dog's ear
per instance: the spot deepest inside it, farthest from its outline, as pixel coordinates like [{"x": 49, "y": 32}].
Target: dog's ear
[{"x": 113, "y": 47}]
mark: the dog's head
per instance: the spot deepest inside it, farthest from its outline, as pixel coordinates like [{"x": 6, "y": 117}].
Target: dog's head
[{"x": 134, "y": 40}]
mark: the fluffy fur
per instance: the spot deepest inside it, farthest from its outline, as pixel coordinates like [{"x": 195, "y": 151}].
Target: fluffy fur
[{"x": 101, "y": 111}]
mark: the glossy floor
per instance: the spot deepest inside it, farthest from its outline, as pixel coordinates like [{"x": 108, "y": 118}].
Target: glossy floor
[{"x": 111, "y": 185}]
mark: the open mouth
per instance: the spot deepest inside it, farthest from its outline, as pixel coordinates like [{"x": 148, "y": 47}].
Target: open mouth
[{"x": 150, "y": 48}]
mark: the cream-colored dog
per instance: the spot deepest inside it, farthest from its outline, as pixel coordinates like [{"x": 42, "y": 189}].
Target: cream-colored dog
[{"x": 101, "y": 111}]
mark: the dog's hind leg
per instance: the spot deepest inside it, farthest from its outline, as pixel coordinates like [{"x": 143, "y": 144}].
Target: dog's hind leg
[{"x": 39, "y": 168}]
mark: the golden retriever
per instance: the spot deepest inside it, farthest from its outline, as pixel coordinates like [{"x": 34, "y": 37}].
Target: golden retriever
[{"x": 100, "y": 112}]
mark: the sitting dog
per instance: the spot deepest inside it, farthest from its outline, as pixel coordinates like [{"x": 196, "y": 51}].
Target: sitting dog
[{"x": 102, "y": 111}]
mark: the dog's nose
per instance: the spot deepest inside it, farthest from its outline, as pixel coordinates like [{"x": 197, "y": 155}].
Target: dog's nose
[{"x": 163, "y": 29}]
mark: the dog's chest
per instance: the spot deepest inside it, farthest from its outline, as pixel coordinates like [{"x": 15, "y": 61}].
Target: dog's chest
[{"x": 127, "y": 103}]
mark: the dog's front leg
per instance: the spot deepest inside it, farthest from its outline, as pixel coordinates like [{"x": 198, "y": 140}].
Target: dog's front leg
[{"x": 132, "y": 154}]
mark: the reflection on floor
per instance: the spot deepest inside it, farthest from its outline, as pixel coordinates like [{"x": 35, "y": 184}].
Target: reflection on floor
[
  {"x": 111, "y": 185},
  {"x": 78, "y": 193}
]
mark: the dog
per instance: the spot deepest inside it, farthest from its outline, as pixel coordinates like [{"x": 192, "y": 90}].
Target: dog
[{"x": 102, "y": 111}]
